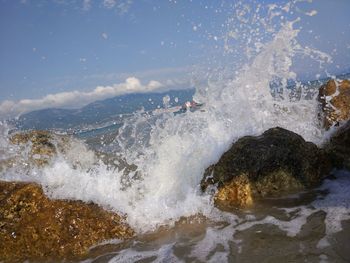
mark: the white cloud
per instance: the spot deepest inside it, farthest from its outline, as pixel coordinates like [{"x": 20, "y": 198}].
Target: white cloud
[{"x": 10, "y": 108}]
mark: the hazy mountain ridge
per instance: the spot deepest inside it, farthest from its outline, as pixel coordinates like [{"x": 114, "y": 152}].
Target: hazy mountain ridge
[{"x": 100, "y": 111}]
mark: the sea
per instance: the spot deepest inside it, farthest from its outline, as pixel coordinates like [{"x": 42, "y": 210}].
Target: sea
[{"x": 149, "y": 167}]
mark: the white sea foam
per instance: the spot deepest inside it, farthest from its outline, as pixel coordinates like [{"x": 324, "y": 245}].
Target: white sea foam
[
  {"x": 214, "y": 237},
  {"x": 163, "y": 254},
  {"x": 335, "y": 204}
]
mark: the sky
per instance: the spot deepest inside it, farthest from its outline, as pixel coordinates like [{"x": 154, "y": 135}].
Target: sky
[{"x": 66, "y": 53}]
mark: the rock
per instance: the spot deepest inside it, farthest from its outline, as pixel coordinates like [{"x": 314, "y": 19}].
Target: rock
[
  {"x": 35, "y": 228},
  {"x": 42, "y": 145},
  {"x": 334, "y": 97},
  {"x": 32, "y": 148},
  {"x": 276, "y": 163},
  {"x": 39, "y": 148},
  {"x": 338, "y": 147}
]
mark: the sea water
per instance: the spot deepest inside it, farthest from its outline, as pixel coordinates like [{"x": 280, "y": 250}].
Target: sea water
[{"x": 162, "y": 200}]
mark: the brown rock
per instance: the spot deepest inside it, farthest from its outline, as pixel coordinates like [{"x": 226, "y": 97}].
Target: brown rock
[
  {"x": 334, "y": 97},
  {"x": 39, "y": 148},
  {"x": 34, "y": 148},
  {"x": 276, "y": 163},
  {"x": 42, "y": 146},
  {"x": 238, "y": 192},
  {"x": 35, "y": 228}
]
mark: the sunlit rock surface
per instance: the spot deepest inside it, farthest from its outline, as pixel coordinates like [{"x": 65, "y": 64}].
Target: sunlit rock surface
[
  {"x": 33, "y": 227},
  {"x": 335, "y": 100},
  {"x": 276, "y": 163}
]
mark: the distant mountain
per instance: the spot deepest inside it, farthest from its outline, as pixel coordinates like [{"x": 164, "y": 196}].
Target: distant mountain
[{"x": 100, "y": 112}]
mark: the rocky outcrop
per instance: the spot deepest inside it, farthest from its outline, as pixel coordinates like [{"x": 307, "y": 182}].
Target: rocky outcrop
[
  {"x": 338, "y": 147},
  {"x": 35, "y": 228},
  {"x": 33, "y": 148},
  {"x": 334, "y": 97},
  {"x": 40, "y": 147},
  {"x": 276, "y": 163},
  {"x": 43, "y": 145}
]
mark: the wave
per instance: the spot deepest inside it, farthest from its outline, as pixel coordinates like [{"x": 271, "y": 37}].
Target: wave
[{"x": 172, "y": 152}]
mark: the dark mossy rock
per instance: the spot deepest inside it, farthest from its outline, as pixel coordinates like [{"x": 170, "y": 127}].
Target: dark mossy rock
[
  {"x": 276, "y": 163},
  {"x": 338, "y": 147},
  {"x": 35, "y": 228}
]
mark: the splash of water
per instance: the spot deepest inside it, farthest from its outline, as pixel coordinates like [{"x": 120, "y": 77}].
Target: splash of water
[{"x": 172, "y": 152}]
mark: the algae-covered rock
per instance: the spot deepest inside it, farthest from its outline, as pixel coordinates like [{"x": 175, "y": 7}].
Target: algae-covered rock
[
  {"x": 276, "y": 163},
  {"x": 335, "y": 101},
  {"x": 35, "y": 228}
]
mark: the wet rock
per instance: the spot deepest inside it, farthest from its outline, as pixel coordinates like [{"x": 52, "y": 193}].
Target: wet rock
[
  {"x": 276, "y": 163},
  {"x": 338, "y": 147},
  {"x": 42, "y": 145},
  {"x": 35, "y": 228},
  {"x": 39, "y": 148},
  {"x": 334, "y": 97},
  {"x": 31, "y": 148}
]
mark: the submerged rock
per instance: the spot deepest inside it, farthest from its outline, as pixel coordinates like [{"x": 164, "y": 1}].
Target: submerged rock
[
  {"x": 277, "y": 162},
  {"x": 338, "y": 147},
  {"x": 35, "y": 228},
  {"x": 335, "y": 101}
]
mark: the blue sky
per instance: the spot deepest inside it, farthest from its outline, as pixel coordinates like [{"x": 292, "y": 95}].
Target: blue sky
[
  {"x": 54, "y": 46},
  {"x": 48, "y": 46}
]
